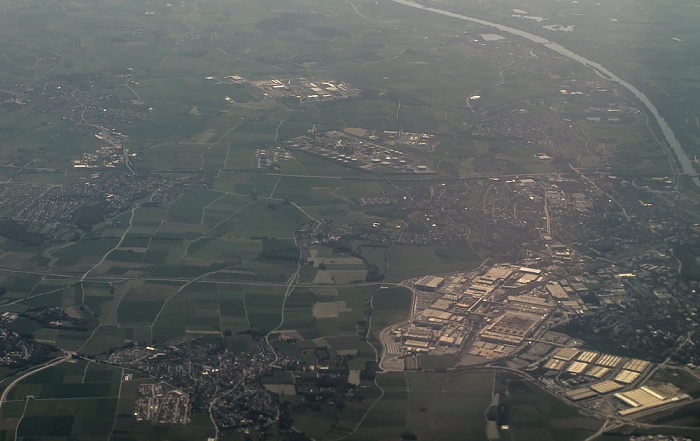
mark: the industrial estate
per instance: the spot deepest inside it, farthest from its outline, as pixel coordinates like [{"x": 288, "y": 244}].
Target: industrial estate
[{"x": 505, "y": 314}]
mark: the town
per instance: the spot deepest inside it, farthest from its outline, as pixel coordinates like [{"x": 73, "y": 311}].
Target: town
[{"x": 205, "y": 378}]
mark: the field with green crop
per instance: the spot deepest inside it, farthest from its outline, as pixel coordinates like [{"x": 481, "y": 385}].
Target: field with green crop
[
  {"x": 408, "y": 261},
  {"x": 71, "y": 399},
  {"x": 429, "y": 406}
]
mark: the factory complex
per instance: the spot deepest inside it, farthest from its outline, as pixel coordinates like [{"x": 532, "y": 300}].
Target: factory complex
[{"x": 502, "y": 315}]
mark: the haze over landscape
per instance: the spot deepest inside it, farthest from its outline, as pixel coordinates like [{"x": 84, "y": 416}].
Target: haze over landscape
[{"x": 349, "y": 220}]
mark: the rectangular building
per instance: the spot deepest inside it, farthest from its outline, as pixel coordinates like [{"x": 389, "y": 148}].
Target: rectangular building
[
  {"x": 580, "y": 394},
  {"x": 587, "y": 356},
  {"x": 636, "y": 365},
  {"x": 627, "y": 377},
  {"x": 608, "y": 360},
  {"x": 597, "y": 372},
  {"x": 497, "y": 273},
  {"x": 527, "y": 270},
  {"x": 556, "y": 291},
  {"x": 430, "y": 283},
  {"x": 607, "y": 386},
  {"x": 577, "y": 367},
  {"x": 566, "y": 354},
  {"x": 554, "y": 365}
]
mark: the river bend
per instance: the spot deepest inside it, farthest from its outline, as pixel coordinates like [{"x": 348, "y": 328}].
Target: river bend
[{"x": 682, "y": 158}]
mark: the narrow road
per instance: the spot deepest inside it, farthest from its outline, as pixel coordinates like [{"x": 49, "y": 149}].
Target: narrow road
[
  {"x": 599, "y": 432},
  {"x": 381, "y": 395},
  {"x": 121, "y": 239},
  {"x": 546, "y": 211}
]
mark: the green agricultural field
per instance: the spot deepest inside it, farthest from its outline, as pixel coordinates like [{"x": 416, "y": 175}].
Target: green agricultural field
[
  {"x": 195, "y": 307},
  {"x": 223, "y": 207},
  {"x": 19, "y": 285},
  {"x": 390, "y": 305},
  {"x": 223, "y": 250},
  {"x": 685, "y": 417},
  {"x": 410, "y": 261},
  {"x": 535, "y": 414},
  {"x": 304, "y": 191},
  {"x": 189, "y": 208},
  {"x": 87, "y": 252},
  {"x": 430, "y": 406},
  {"x": 77, "y": 400},
  {"x": 298, "y": 313},
  {"x": 70, "y": 380},
  {"x": 264, "y": 307},
  {"x": 259, "y": 219},
  {"x": 448, "y": 415},
  {"x": 246, "y": 184}
]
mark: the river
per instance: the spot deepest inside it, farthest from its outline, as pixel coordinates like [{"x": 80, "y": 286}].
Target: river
[{"x": 682, "y": 158}]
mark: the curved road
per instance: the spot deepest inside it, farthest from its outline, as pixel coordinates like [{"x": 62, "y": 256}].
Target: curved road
[
  {"x": 682, "y": 158},
  {"x": 31, "y": 372}
]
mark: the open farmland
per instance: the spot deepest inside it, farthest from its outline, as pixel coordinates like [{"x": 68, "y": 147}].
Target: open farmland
[
  {"x": 238, "y": 200},
  {"x": 72, "y": 399}
]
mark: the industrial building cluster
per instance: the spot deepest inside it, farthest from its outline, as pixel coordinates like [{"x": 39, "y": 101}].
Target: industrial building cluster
[
  {"x": 301, "y": 89},
  {"x": 270, "y": 157},
  {"x": 305, "y": 90},
  {"x": 421, "y": 141},
  {"x": 487, "y": 313},
  {"x": 109, "y": 155},
  {"x": 504, "y": 314},
  {"x": 348, "y": 148},
  {"x": 588, "y": 375}
]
